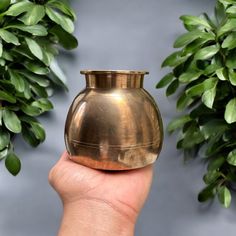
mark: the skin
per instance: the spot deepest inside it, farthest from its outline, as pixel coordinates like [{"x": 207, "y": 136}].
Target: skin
[{"x": 97, "y": 202}]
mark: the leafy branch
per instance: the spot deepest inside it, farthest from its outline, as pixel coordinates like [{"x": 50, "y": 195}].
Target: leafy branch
[
  {"x": 203, "y": 76},
  {"x": 30, "y": 33}
]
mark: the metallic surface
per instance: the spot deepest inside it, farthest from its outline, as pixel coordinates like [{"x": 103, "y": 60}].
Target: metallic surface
[{"x": 114, "y": 124}]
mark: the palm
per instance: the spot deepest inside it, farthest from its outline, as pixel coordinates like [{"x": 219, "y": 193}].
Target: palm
[{"x": 125, "y": 191}]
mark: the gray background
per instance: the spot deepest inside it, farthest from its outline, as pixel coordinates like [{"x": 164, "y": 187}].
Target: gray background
[{"x": 117, "y": 34}]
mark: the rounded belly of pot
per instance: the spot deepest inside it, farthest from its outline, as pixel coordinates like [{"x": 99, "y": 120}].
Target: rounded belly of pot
[{"x": 114, "y": 129}]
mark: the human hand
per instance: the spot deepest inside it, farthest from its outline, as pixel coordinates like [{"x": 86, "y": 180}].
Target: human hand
[{"x": 99, "y": 201}]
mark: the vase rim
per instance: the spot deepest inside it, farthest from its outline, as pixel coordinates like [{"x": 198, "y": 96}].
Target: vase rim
[{"x": 130, "y": 72}]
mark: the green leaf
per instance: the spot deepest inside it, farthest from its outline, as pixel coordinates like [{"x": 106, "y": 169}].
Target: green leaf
[
  {"x": 40, "y": 80},
  {"x": 13, "y": 163},
  {"x": 194, "y": 46},
  {"x": 34, "y": 130},
  {"x": 34, "y": 15},
  {"x": 231, "y": 158},
  {"x": 228, "y": 26},
  {"x": 62, "y": 20},
  {"x": 231, "y": 10},
  {"x": 224, "y": 196},
  {"x": 211, "y": 176},
  {"x": 0, "y": 117},
  {"x": 9, "y": 89},
  {"x": 186, "y": 38},
  {"x": 178, "y": 123},
  {"x": 191, "y": 36},
  {"x": 232, "y": 77},
  {"x": 7, "y": 97},
  {"x": 43, "y": 103},
  {"x": 227, "y": 136},
  {"x": 47, "y": 57},
  {"x": 231, "y": 176},
  {"x": 183, "y": 102},
  {"x": 178, "y": 70},
  {"x": 214, "y": 127},
  {"x": 68, "y": 41},
  {"x": 165, "y": 80},
  {"x": 198, "y": 89},
  {"x": 230, "y": 60},
  {"x": 222, "y": 74},
  {"x": 63, "y": 7},
  {"x": 1, "y": 49},
  {"x": 31, "y": 110},
  {"x": 209, "y": 21},
  {"x": 195, "y": 21},
  {"x": 202, "y": 64},
  {"x": 219, "y": 12},
  {"x": 200, "y": 111},
  {"x": 38, "y": 131},
  {"x": 230, "y": 114},
  {"x": 172, "y": 87},
  {"x": 19, "y": 8},
  {"x": 36, "y": 68},
  {"x": 17, "y": 80},
  {"x": 211, "y": 69},
  {"x": 34, "y": 48},
  {"x": 29, "y": 136},
  {"x": 230, "y": 41},
  {"x": 4, "y": 5},
  {"x": 22, "y": 52},
  {"x": 36, "y": 30},
  {"x": 2, "y": 62},
  {"x": 216, "y": 163},
  {"x": 215, "y": 147},
  {"x": 7, "y": 56},
  {"x": 9, "y": 37},
  {"x": 227, "y": 2},
  {"x": 208, "y": 96},
  {"x": 11, "y": 121},
  {"x": 4, "y": 138},
  {"x": 174, "y": 59},
  {"x": 27, "y": 90},
  {"x": 192, "y": 137},
  {"x": 189, "y": 76},
  {"x": 49, "y": 53},
  {"x": 39, "y": 90},
  {"x": 59, "y": 76},
  {"x": 207, "y": 52},
  {"x": 28, "y": 119},
  {"x": 3, "y": 153},
  {"x": 207, "y": 193}
]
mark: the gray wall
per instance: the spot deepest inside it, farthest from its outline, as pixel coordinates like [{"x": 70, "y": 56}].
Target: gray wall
[{"x": 116, "y": 34}]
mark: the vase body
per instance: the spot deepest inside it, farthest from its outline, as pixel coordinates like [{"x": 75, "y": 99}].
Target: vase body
[{"x": 114, "y": 124}]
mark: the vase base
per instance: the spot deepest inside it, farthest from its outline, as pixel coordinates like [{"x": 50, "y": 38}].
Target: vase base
[{"x": 114, "y": 159}]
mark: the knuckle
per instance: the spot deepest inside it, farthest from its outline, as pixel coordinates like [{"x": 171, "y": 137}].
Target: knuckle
[{"x": 51, "y": 176}]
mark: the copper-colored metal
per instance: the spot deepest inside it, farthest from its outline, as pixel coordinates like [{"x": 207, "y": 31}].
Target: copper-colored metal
[{"x": 114, "y": 124}]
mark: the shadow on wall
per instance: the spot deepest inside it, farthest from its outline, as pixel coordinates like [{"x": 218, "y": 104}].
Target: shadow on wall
[
  {"x": 28, "y": 197},
  {"x": 202, "y": 2}
]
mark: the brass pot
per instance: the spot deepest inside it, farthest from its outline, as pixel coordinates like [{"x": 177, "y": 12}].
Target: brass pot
[{"x": 114, "y": 124}]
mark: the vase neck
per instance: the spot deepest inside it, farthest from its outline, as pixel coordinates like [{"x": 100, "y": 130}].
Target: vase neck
[{"x": 114, "y": 79}]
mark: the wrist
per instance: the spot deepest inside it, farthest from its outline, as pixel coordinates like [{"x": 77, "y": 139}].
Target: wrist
[{"x": 95, "y": 217}]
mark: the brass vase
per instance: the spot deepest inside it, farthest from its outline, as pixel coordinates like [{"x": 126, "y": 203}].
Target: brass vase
[{"x": 114, "y": 124}]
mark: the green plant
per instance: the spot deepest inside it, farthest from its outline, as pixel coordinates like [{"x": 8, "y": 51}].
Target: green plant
[
  {"x": 204, "y": 78},
  {"x": 30, "y": 33}
]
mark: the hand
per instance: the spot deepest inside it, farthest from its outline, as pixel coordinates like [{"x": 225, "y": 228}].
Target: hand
[{"x": 100, "y": 200}]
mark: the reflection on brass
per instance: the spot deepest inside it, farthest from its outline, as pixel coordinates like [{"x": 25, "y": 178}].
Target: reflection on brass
[{"x": 114, "y": 124}]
